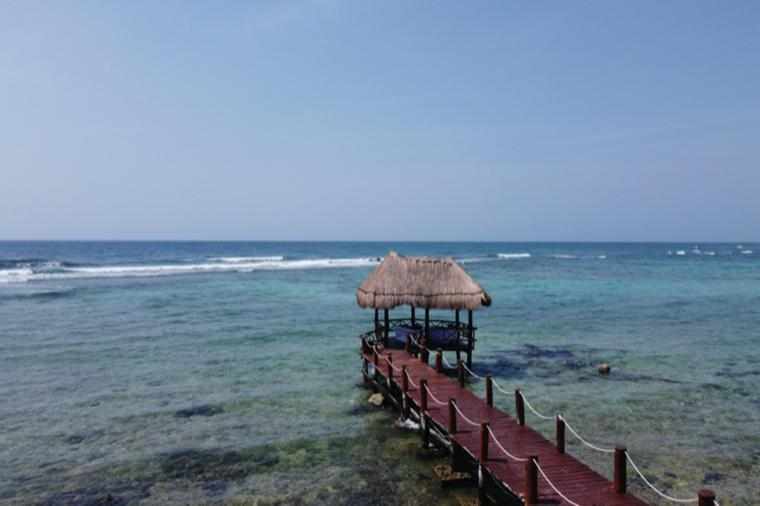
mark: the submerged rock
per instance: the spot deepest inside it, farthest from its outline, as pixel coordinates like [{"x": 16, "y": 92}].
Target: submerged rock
[
  {"x": 376, "y": 399},
  {"x": 203, "y": 410}
]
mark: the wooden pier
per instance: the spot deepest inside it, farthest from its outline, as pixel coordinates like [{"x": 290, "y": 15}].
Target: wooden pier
[{"x": 508, "y": 461}]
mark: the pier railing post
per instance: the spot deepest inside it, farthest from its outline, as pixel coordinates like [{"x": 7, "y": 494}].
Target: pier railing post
[
  {"x": 483, "y": 441},
  {"x": 560, "y": 434},
  {"x": 706, "y": 497},
  {"x": 452, "y": 417},
  {"x": 376, "y": 363},
  {"x": 489, "y": 390},
  {"x": 531, "y": 481},
  {"x": 620, "y": 479},
  {"x": 439, "y": 361},
  {"x": 520, "y": 407},
  {"x": 404, "y": 379},
  {"x": 461, "y": 373},
  {"x": 423, "y": 395}
]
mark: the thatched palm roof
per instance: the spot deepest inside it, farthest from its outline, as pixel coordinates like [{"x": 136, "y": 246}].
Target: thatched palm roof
[{"x": 427, "y": 282}]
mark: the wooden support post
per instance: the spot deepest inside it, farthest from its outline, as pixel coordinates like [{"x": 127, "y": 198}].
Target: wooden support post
[
  {"x": 489, "y": 390},
  {"x": 427, "y": 326},
  {"x": 560, "y": 434},
  {"x": 482, "y": 495},
  {"x": 439, "y": 361},
  {"x": 452, "y": 417},
  {"x": 377, "y": 321},
  {"x": 456, "y": 323},
  {"x": 520, "y": 407},
  {"x": 414, "y": 317},
  {"x": 483, "y": 441},
  {"x": 404, "y": 379},
  {"x": 387, "y": 325},
  {"x": 376, "y": 363},
  {"x": 365, "y": 370},
  {"x": 389, "y": 359},
  {"x": 423, "y": 395},
  {"x": 470, "y": 338},
  {"x": 531, "y": 481},
  {"x": 425, "y": 430},
  {"x": 461, "y": 373},
  {"x": 620, "y": 479},
  {"x": 706, "y": 497}
]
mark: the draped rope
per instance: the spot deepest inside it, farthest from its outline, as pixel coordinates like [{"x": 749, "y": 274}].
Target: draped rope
[
  {"x": 464, "y": 417},
  {"x": 504, "y": 450},
  {"x": 434, "y": 398},
  {"x": 590, "y": 445},
  {"x": 658, "y": 492},
  {"x": 563, "y": 496},
  {"x": 525, "y": 400}
]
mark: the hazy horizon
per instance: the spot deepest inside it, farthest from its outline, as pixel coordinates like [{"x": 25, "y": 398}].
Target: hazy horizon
[{"x": 330, "y": 120}]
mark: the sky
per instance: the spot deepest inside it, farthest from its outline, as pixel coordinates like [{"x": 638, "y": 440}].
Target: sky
[{"x": 383, "y": 120}]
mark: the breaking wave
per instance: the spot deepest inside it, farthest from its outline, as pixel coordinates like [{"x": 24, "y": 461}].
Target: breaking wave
[
  {"x": 243, "y": 260},
  {"x": 510, "y": 256},
  {"x": 57, "y": 270}
]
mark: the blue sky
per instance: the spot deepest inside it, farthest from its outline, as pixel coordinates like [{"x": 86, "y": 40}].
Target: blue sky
[{"x": 380, "y": 120}]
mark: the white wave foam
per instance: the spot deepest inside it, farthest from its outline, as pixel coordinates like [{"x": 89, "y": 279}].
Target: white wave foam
[
  {"x": 681, "y": 253},
  {"x": 746, "y": 252},
  {"x": 122, "y": 271},
  {"x": 602, "y": 257},
  {"x": 15, "y": 275},
  {"x": 510, "y": 256},
  {"x": 564, "y": 257},
  {"x": 242, "y": 260}
]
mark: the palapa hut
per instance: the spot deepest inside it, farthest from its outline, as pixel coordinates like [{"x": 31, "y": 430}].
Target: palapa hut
[{"x": 427, "y": 283}]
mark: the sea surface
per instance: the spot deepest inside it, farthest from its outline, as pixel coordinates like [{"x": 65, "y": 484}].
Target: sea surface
[{"x": 227, "y": 372}]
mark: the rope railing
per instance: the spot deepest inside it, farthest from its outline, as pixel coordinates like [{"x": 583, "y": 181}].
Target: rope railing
[
  {"x": 411, "y": 381},
  {"x": 541, "y": 416},
  {"x": 470, "y": 371},
  {"x": 464, "y": 417},
  {"x": 446, "y": 362},
  {"x": 434, "y": 398},
  {"x": 390, "y": 362},
  {"x": 498, "y": 387},
  {"x": 553, "y": 486},
  {"x": 504, "y": 450},
  {"x": 655, "y": 489},
  {"x": 582, "y": 440}
]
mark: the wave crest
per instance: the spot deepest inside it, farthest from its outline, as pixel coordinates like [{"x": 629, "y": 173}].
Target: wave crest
[
  {"x": 510, "y": 256},
  {"x": 122, "y": 271}
]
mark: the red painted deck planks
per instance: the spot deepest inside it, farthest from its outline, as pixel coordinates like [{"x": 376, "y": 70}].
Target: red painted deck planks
[{"x": 573, "y": 478}]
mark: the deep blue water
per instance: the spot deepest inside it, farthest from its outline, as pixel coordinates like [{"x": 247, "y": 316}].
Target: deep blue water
[{"x": 195, "y": 373}]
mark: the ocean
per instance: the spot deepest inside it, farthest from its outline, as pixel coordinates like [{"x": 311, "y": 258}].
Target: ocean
[{"x": 227, "y": 372}]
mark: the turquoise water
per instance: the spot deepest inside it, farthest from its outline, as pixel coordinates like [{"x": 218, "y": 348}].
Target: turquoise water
[{"x": 227, "y": 373}]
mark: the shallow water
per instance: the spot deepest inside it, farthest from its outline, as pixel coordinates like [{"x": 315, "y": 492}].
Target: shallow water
[{"x": 193, "y": 373}]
